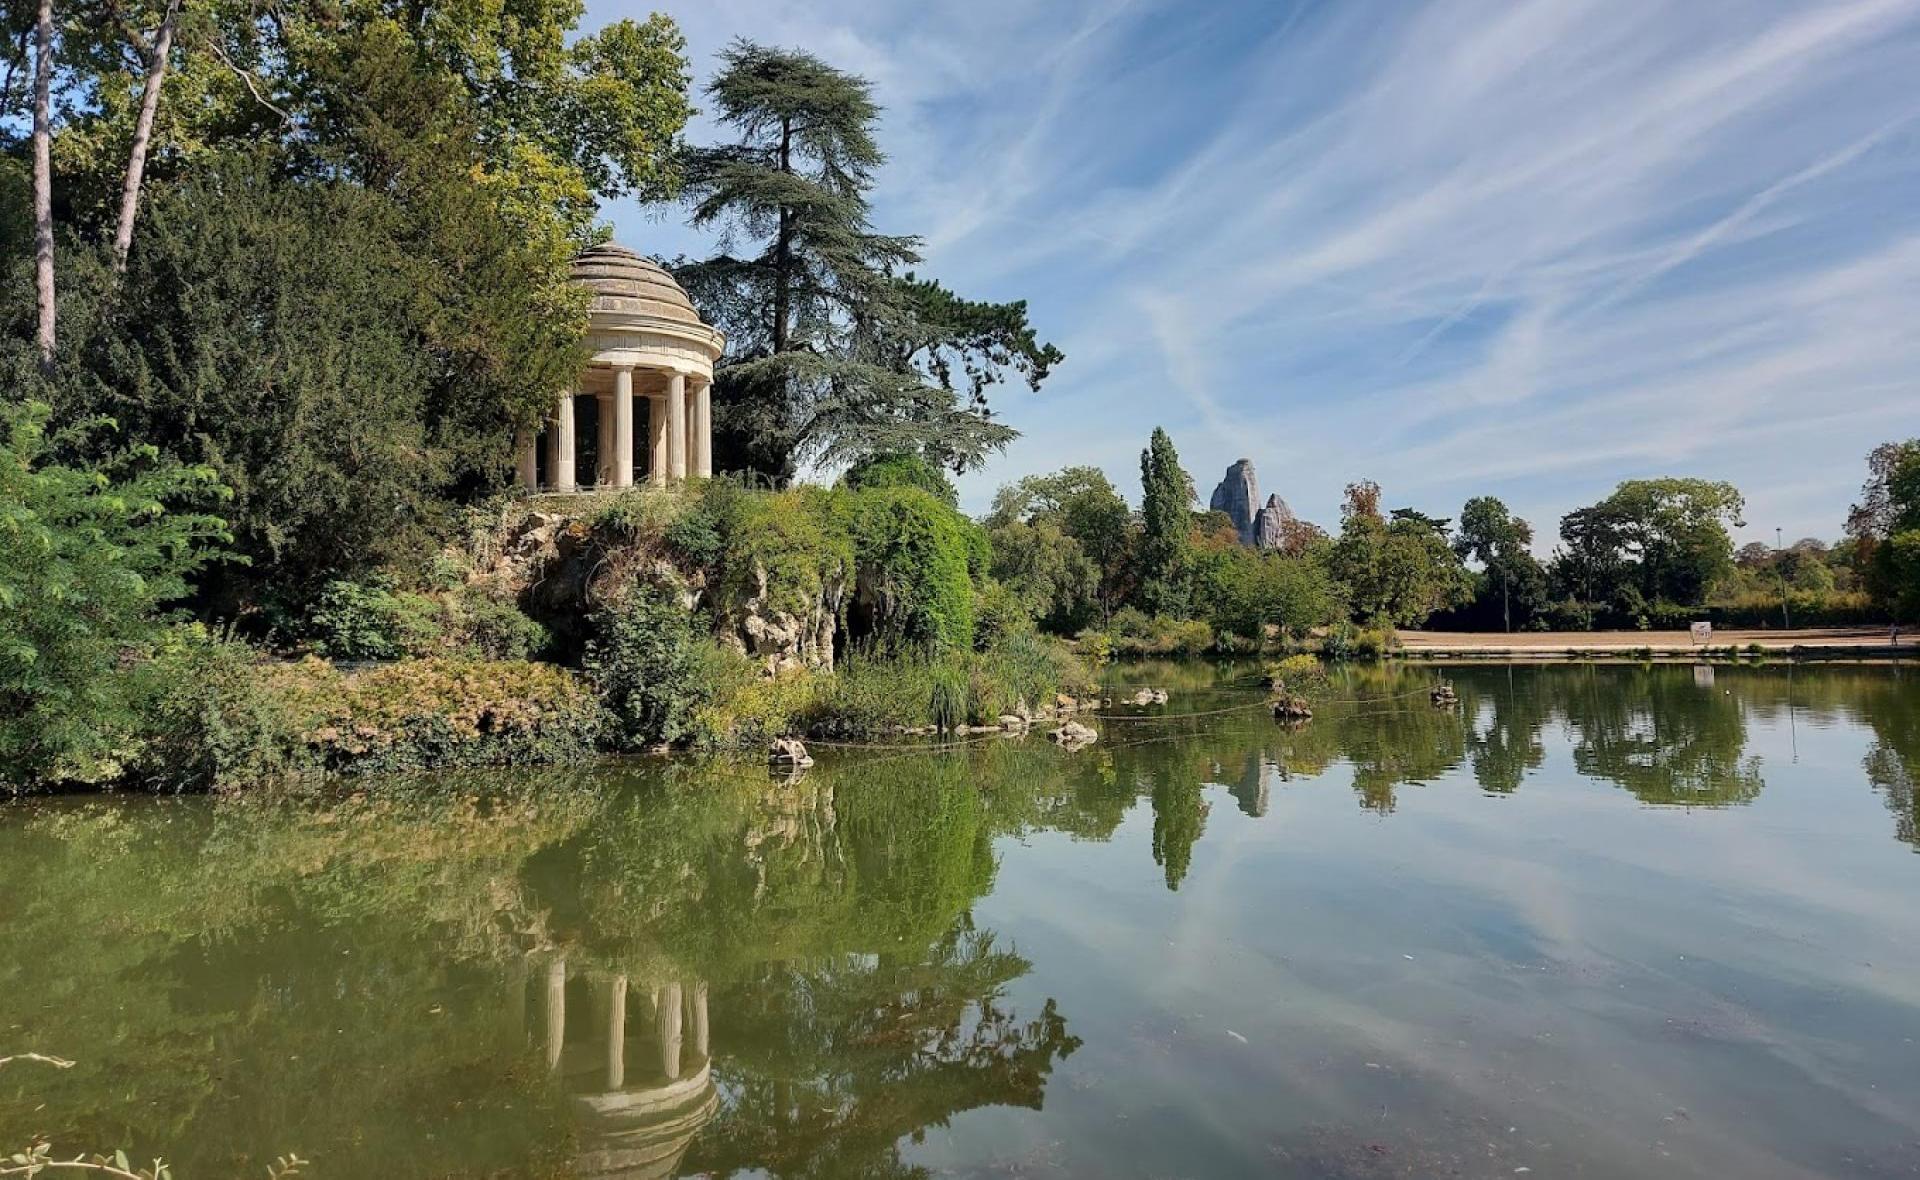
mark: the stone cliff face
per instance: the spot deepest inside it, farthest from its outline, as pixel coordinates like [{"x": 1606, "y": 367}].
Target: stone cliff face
[
  {"x": 1273, "y": 524},
  {"x": 557, "y": 565},
  {"x": 1236, "y": 495}
]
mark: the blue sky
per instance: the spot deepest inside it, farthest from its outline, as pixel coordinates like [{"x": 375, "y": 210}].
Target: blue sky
[{"x": 1527, "y": 249}]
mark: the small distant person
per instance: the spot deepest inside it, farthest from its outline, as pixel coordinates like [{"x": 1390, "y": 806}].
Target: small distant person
[{"x": 1893, "y": 634}]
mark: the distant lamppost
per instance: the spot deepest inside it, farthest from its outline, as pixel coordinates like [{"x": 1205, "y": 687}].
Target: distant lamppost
[{"x": 1779, "y": 567}]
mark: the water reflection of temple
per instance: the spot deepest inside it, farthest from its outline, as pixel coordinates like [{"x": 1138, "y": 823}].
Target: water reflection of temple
[{"x": 634, "y": 1056}]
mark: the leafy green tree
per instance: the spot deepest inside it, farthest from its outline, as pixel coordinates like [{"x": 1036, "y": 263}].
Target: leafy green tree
[
  {"x": 88, "y": 556},
  {"x": 1885, "y": 527},
  {"x": 1499, "y": 541},
  {"x": 913, "y": 555},
  {"x": 644, "y": 659},
  {"x": 559, "y": 122},
  {"x": 1056, "y": 583},
  {"x": 832, "y": 355},
  {"x": 1249, "y": 592},
  {"x": 902, "y": 471},
  {"x": 1083, "y": 503},
  {"x": 1161, "y": 558},
  {"x": 306, "y": 343},
  {"x": 1398, "y": 572},
  {"x": 1653, "y": 540}
]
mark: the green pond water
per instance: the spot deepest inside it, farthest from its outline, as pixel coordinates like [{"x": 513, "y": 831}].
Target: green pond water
[{"x": 1597, "y": 921}]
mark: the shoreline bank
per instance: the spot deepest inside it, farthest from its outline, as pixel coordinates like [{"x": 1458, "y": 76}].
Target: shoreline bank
[{"x": 1823, "y": 644}]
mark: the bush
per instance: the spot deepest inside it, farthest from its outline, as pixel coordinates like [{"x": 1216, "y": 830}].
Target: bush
[
  {"x": 88, "y": 557},
  {"x": 1027, "y": 669},
  {"x": 948, "y": 696},
  {"x": 1095, "y": 647},
  {"x": 210, "y": 721},
  {"x": 1134, "y": 634},
  {"x": 870, "y": 694},
  {"x": 634, "y": 513},
  {"x": 741, "y": 707},
  {"x": 643, "y": 660},
  {"x": 913, "y": 555},
  {"x": 1299, "y": 673},
  {"x": 998, "y": 615},
  {"x": 901, "y": 471},
  {"x": 441, "y": 712},
  {"x": 1344, "y": 641},
  {"x": 783, "y": 547},
  {"x": 489, "y": 625},
  {"x": 369, "y": 620},
  {"x": 698, "y": 536}
]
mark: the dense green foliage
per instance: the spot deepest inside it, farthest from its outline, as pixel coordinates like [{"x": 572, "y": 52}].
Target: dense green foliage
[
  {"x": 1250, "y": 594},
  {"x": 1885, "y": 528},
  {"x": 88, "y": 557},
  {"x": 913, "y": 552},
  {"x": 348, "y": 281},
  {"x": 644, "y": 659},
  {"x": 1396, "y": 571},
  {"x": 1652, "y": 541},
  {"x": 1509, "y": 573},
  {"x": 832, "y": 355},
  {"x": 1161, "y": 556}
]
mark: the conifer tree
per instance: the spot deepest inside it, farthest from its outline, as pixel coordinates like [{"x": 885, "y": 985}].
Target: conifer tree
[{"x": 833, "y": 356}]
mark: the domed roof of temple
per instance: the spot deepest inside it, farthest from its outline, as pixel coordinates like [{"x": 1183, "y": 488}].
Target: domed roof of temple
[{"x": 623, "y": 281}]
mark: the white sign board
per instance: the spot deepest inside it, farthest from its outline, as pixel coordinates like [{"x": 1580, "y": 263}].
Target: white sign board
[{"x": 1702, "y": 633}]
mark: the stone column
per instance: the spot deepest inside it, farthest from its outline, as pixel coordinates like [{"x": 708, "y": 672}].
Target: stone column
[
  {"x": 700, "y": 1019},
  {"x": 556, "y": 1011},
  {"x": 526, "y": 460},
  {"x": 703, "y": 430},
  {"x": 553, "y": 448},
  {"x": 563, "y": 478},
  {"x": 617, "y": 1033},
  {"x": 603, "y": 461},
  {"x": 667, "y": 1024},
  {"x": 677, "y": 427},
  {"x": 623, "y": 427},
  {"x": 657, "y": 441}
]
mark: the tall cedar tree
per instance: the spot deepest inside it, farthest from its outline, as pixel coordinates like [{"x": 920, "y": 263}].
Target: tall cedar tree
[
  {"x": 832, "y": 355},
  {"x": 1166, "y": 493}
]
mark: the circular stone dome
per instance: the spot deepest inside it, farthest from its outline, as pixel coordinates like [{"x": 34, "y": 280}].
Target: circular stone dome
[{"x": 625, "y": 283}]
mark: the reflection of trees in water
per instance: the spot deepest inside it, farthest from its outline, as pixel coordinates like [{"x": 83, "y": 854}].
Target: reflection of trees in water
[
  {"x": 1503, "y": 737},
  {"x": 1662, "y": 736},
  {"x": 361, "y": 980},
  {"x": 1892, "y": 708},
  {"x": 365, "y": 981},
  {"x": 829, "y": 1064}
]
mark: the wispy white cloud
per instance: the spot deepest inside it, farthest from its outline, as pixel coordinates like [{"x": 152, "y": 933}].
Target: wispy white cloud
[{"x": 1526, "y": 249}]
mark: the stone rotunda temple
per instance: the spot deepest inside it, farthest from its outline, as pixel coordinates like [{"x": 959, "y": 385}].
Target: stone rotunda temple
[{"x": 645, "y": 342}]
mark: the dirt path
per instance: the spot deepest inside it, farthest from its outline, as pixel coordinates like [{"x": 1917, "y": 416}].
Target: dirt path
[{"x": 1834, "y": 641}]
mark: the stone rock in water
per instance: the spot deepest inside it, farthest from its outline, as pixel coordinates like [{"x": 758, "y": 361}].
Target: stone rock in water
[
  {"x": 1073, "y": 735},
  {"x": 1273, "y": 523},
  {"x": 788, "y": 752},
  {"x": 1236, "y": 496}
]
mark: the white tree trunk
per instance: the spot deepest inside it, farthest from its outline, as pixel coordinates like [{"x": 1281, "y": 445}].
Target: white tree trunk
[
  {"x": 43, "y": 179},
  {"x": 143, "y": 135}
]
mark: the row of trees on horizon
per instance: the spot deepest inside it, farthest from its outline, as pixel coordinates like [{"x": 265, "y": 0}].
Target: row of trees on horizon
[{"x": 1653, "y": 553}]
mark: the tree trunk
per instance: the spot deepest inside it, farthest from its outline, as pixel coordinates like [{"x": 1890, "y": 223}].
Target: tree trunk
[
  {"x": 783, "y": 250},
  {"x": 43, "y": 180},
  {"x": 142, "y": 136}
]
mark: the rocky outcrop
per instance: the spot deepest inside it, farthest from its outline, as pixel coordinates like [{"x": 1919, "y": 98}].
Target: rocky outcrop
[
  {"x": 557, "y": 565},
  {"x": 1236, "y": 495},
  {"x": 1274, "y": 524},
  {"x": 778, "y": 639},
  {"x": 1073, "y": 735}
]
